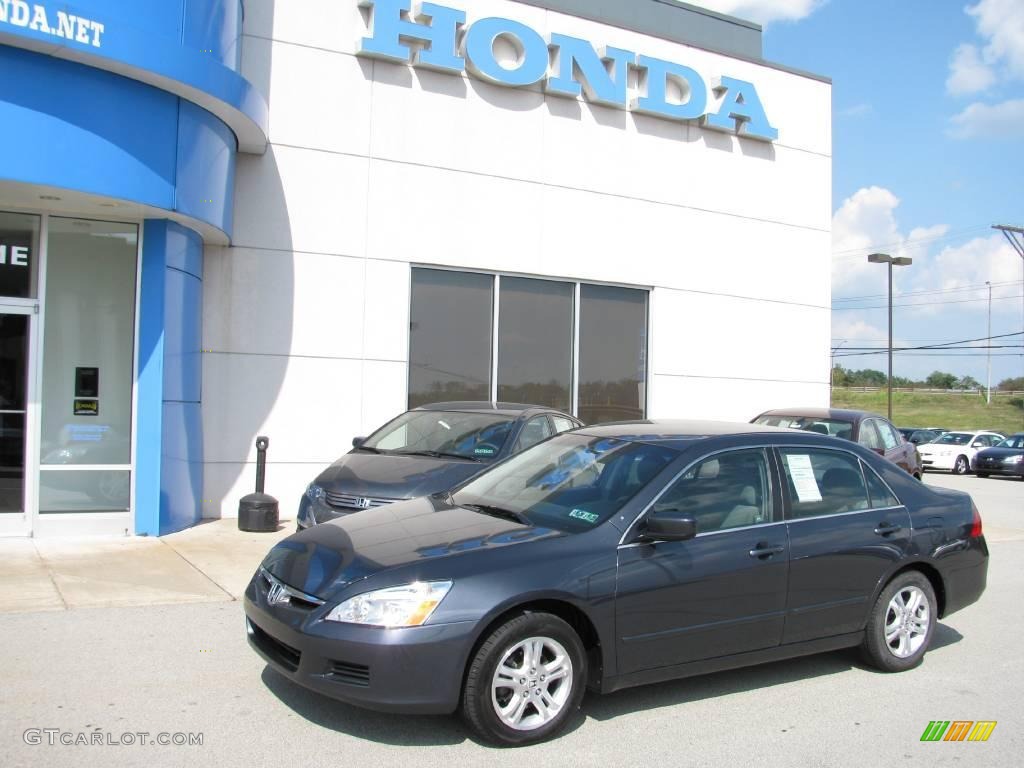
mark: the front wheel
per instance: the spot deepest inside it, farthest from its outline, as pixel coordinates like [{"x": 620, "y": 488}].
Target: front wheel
[
  {"x": 902, "y": 623},
  {"x": 525, "y": 681},
  {"x": 961, "y": 466}
]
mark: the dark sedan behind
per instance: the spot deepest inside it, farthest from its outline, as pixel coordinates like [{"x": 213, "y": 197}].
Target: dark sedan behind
[{"x": 1006, "y": 458}]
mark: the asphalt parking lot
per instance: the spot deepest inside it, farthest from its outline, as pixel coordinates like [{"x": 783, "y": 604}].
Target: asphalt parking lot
[{"x": 79, "y": 671}]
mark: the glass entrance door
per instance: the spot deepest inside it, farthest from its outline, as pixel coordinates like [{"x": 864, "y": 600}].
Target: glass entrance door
[{"x": 14, "y": 353}]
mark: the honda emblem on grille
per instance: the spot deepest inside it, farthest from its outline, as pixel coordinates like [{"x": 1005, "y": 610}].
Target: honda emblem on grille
[
  {"x": 278, "y": 594},
  {"x": 363, "y": 503}
]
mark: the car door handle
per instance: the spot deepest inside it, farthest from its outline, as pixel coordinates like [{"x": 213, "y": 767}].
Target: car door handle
[
  {"x": 763, "y": 550},
  {"x": 884, "y": 529}
]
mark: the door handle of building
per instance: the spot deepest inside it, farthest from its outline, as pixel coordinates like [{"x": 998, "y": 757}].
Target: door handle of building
[
  {"x": 763, "y": 550},
  {"x": 884, "y": 529}
]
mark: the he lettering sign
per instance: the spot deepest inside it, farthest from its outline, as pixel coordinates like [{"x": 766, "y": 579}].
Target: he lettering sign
[
  {"x": 437, "y": 37},
  {"x": 15, "y": 255},
  {"x": 34, "y": 16}
]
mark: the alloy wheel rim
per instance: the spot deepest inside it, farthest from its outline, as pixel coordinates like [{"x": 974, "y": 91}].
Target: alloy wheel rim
[
  {"x": 532, "y": 683},
  {"x": 907, "y": 620}
]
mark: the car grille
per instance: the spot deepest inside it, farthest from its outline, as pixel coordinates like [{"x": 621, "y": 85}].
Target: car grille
[
  {"x": 283, "y": 654},
  {"x": 349, "y": 501},
  {"x": 351, "y": 674}
]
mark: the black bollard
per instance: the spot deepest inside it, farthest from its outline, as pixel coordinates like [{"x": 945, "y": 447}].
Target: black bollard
[{"x": 258, "y": 512}]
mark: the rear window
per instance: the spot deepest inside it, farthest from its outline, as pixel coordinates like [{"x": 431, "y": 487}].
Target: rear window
[
  {"x": 955, "y": 438},
  {"x": 832, "y": 427}
]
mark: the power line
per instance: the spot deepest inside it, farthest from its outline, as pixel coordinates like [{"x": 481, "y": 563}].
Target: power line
[
  {"x": 931, "y": 292},
  {"x": 909, "y": 243},
  {"x": 928, "y": 303}
]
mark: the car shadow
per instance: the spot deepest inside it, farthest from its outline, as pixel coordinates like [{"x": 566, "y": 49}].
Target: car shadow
[
  {"x": 383, "y": 728},
  {"x": 447, "y": 730}
]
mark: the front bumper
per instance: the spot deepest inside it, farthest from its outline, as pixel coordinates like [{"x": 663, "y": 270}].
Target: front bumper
[
  {"x": 936, "y": 461},
  {"x": 415, "y": 670},
  {"x": 997, "y": 467}
]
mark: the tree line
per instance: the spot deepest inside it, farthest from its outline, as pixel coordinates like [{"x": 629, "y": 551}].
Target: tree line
[{"x": 868, "y": 377}]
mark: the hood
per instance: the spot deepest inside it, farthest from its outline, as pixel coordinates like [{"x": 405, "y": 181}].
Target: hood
[
  {"x": 409, "y": 536},
  {"x": 387, "y": 476}
]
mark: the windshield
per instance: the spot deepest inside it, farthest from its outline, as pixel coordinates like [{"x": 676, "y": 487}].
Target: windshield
[
  {"x": 568, "y": 483},
  {"x": 477, "y": 436},
  {"x": 1014, "y": 441},
  {"x": 923, "y": 436},
  {"x": 833, "y": 427},
  {"x": 954, "y": 438}
]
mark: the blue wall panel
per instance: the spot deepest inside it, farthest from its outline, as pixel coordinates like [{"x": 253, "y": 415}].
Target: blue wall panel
[
  {"x": 111, "y": 136},
  {"x": 68, "y": 125},
  {"x": 206, "y": 167},
  {"x": 169, "y": 469}
]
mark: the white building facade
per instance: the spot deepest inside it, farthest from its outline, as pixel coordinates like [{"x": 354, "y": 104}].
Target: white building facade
[{"x": 439, "y": 216}]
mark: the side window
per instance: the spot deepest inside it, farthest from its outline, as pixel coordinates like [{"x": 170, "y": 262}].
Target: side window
[
  {"x": 879, "y": 492},
  {"x": 562, "y": 424},
  {"x": 729, "y": 490},
  {"x": 890, "y": 437},
  {"x": 536, "y": 429},
  {"x": 869, "y": 436},
  {"x": 823, "y": 482}
]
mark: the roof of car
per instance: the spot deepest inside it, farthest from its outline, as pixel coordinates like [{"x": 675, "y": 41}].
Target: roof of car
[
  {"x": 502, "y": 409},
  {"x": 671, "y": 430},
  {"x": 822, "y": 413}
]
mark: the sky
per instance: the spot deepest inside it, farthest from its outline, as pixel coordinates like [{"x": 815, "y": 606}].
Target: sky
[{"x": 928, "y": 154}]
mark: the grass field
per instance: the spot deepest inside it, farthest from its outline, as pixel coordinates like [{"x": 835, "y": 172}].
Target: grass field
[{"x": 937, "y": 409}]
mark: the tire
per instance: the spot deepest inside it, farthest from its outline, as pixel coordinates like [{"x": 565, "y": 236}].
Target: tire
[
  {"x": 961, "y": 466},
  {"x": 895, "y": 642},
  {"x": 487, "y": 706},
  {"x": 981, "y": 474}
]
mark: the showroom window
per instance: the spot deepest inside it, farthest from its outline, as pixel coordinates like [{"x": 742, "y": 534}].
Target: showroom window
[{"x": 578, "y": 347}]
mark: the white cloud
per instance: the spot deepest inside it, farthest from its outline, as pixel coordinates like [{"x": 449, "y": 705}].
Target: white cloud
[
  {"x": 989, "y": 121},
  {"x": 1001, "y": 23},
  {"x": 864, "y": 222},
  {"x": 857, "y": 110},
  {"x": 976, "y": 262},
  {"x": 764, "y": 11},
  {"x": 967, "y": 72}
]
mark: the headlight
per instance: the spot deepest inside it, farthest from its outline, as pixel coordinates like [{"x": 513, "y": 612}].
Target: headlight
[
  {"x": 1013, "y": 459},
  {"x": 406, "y": 606},
  {"x": 314, "y": 492}
]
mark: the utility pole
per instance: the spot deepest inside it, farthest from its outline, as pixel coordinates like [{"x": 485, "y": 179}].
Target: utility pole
[
  {"x": 890, "y": 261},
  {"x": 1016, "y": 237},
  {"x": 988, "y": 388}
]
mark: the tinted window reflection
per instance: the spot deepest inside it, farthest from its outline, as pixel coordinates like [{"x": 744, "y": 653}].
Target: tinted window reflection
[
  {"x": 449, "y": 336},
  {"x": 535, "y": 332},
  {"x": 613, "y": 353}
]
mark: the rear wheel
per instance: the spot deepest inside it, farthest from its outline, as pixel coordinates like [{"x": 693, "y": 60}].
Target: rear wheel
[
  {"x": 526, "y": 680},
  {"x": 902, "y": 623},
  {"x": 961, "y": 465}
]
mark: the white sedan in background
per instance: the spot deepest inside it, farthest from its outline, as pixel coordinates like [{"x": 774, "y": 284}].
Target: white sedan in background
[{"x": 955, "y": 451}]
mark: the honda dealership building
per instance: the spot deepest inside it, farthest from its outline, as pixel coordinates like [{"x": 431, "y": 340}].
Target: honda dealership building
[{"x": 297, "y": 218}]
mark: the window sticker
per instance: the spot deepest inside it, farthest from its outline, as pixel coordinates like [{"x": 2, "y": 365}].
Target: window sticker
[
  {"x": 485, "y": 451},
  {"x": 582, "y": 514},
  {"x": 802, "y": 474}
]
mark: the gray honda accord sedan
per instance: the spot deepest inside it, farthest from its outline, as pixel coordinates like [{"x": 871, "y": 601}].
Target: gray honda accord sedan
[{"x": 614, "y": 556}]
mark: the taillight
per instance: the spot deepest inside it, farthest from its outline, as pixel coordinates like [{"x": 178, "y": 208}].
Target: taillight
[{"x": 975, "y": 521}]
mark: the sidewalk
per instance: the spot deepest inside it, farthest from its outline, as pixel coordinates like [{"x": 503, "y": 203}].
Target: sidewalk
[{"x": 211, "y": 562}]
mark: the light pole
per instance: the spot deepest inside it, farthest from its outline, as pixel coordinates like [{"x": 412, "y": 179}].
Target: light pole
[
  {"x": 1015, "y": 235},
  {"x": 898, "y": 261},
  {"x": 988, "y": 383}
]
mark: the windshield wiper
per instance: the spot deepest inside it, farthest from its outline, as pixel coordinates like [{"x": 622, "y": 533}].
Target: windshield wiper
[
  {"x": 368, "y": 448},
  {"x": 506, "y": 514},
  {"x": 438, "y": 455}
]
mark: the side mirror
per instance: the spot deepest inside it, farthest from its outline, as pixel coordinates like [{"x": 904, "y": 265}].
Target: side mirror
[
  {"x": 977, "y": 444},
  {"x": 670, "y": 525},
  {"x": 879, "y": 451},
  {"x": 358, "y": 441}
]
